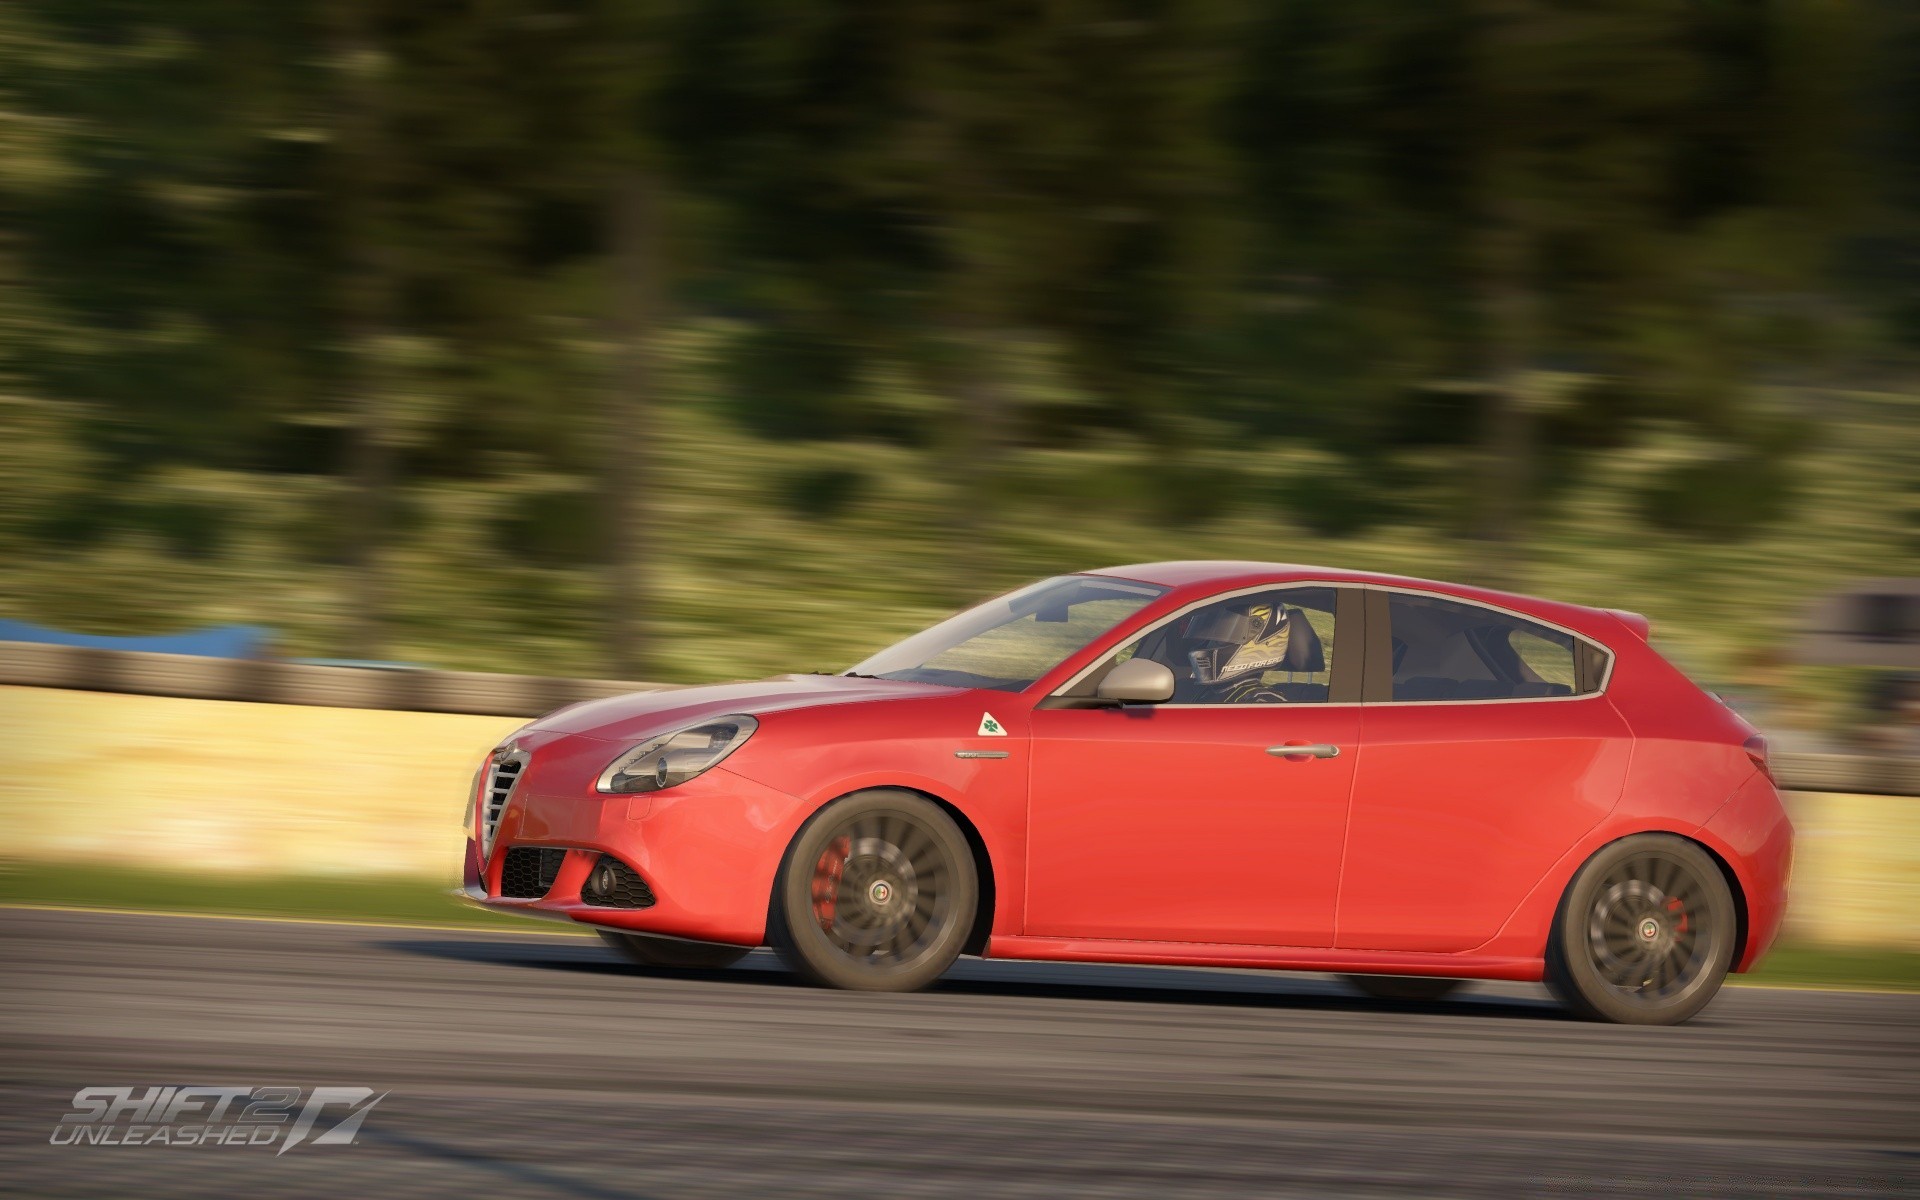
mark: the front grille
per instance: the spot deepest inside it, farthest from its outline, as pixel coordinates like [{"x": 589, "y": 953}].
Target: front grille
[
  {"x": 501, "y": 776},
  {"x": 614, "y": 884},
  {"x": 529, "y": 871}
]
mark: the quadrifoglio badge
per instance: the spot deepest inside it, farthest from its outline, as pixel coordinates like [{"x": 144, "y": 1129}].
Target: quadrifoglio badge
[{"x": 215, "y": 1116}]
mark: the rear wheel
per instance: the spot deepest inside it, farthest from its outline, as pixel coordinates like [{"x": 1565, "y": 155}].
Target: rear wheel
[
  {"x": 1404, "y": 987},
  {"x": 670, "y": 954},
  {"x": 1644, "y": 935},
  {"x": 878, "y": 894}
]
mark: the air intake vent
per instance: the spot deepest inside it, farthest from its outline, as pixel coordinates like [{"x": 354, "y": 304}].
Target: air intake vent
[
  {"x": 501, "y": 776},
  {"x": 614, "y": 884},
  {"x": 529, "y": 871}
]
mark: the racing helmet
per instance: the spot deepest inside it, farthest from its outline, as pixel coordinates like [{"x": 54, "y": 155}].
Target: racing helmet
[{"x": 1226, "y": 641}]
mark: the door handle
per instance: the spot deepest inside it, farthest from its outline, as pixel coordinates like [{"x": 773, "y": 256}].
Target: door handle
[{"x": 1302, "y": 750}]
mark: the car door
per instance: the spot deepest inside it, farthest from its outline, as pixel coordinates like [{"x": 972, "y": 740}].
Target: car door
[
  {"x": 1489, "y": 752},
  {"x": 1189, "y": 821}
]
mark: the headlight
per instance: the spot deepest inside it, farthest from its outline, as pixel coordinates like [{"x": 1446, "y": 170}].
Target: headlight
[
  {"x": 473, "y": 790},
  {"x": 674, "y": 758}
]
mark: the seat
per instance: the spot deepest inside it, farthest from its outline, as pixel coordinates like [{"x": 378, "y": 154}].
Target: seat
[
  {"x": 1423, "y": 687},
  {"x": 1305, "y": 654},
  {"x": 1433, "y": 687},
  {"x": 1533, "y": 690}
]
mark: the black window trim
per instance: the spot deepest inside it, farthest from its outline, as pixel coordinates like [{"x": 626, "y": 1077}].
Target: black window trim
[{"x": 1369, "y": 675}]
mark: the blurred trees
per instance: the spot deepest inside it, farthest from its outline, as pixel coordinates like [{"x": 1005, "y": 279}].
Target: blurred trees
[{"x": 402, "y": 325}]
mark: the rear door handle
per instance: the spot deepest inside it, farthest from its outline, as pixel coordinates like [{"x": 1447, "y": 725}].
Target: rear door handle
[{"x": 1302, "y": 750}]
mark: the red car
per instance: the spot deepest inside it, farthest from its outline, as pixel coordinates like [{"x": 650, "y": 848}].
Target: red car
[{"x": 1225, "y": 764}]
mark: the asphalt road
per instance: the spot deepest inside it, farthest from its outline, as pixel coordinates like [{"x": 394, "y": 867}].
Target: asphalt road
[{"x": 536, "y": 1065}]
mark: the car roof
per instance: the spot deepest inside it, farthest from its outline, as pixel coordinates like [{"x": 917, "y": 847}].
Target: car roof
[{"x": 1223, "y": 574}]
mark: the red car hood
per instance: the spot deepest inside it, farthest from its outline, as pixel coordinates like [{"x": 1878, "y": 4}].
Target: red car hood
[{"x": 642, "y": 714}]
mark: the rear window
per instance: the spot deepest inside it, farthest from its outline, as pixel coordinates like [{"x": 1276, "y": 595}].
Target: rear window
[{"x": 1448, "y": 650}]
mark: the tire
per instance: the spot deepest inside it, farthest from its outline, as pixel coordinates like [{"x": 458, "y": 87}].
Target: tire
[
  {"x": 1404, "y": 987},
  {"x": 671, "y": 954},
  {"x": 878, "y": 893},
  {"x": 1644, "y": 934}
]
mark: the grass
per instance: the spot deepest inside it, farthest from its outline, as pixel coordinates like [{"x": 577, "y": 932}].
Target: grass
[
  {"x": 1838, "y": 967},
  {"x": 398, "y": 900},
  {"x": 414, "y": 901}
]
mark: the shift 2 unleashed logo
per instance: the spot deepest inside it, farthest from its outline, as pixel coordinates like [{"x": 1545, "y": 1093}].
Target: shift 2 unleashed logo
[{"x": 215, "y": 1116}]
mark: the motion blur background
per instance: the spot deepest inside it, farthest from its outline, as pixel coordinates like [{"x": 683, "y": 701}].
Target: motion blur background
[
  {"x": 676, "y": 341},
  {"x": 700, "y": 340}
]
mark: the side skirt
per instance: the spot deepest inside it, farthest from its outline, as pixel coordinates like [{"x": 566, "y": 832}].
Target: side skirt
[{"x": 1278, "y": 958}]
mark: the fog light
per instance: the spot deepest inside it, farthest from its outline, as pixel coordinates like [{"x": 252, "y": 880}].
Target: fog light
[
  {"x": 604, "y": 878},
  {"x": 613, "y": 884}
]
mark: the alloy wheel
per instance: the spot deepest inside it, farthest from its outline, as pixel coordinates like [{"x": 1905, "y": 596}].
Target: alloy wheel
[
  {"x": 881, "y": 890},
  {"x": 1642, "y": 932},
  {"x": 1645, "y": 933},
  {"x": 879, "y": 893}
]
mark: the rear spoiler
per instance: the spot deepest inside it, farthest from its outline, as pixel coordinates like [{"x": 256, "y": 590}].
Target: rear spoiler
[{"x": 1632, "y": 620}]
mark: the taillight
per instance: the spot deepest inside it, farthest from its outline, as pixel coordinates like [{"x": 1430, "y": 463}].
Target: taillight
[{"x": 1756, "y": 748}]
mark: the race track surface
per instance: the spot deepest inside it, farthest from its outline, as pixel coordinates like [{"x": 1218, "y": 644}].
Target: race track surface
[{"x": 528, "y": 1066}]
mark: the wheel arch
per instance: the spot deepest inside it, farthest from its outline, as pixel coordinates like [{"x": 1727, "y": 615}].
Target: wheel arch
[
  {"x": 976, "y": 942},
  {"x": 1742, "y": 920},
  {"x": 1734, "y": 886}
]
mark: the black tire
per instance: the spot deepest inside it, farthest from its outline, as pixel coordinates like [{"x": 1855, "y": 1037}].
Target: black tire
[
  {"x": 1644, "y": 934},
  {"x": 878, "y": 893},
  {"x": 670, "y": 954},
  {"x": 1404, "y": 987}
]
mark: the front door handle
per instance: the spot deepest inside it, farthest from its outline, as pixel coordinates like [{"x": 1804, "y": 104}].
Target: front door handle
[{"x": 1303, "y": 750}]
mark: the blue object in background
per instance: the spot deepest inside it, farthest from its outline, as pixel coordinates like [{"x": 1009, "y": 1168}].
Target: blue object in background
[{"x": 222, "y": 641}]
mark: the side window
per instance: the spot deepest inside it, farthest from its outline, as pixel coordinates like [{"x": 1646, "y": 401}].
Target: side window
[
  {"x": 1267, "y": 648},
  {"x": 1443, "y": 650}
]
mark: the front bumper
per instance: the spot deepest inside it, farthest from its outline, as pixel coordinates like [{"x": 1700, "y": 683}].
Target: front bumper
[{"x": 708, "y": 850}]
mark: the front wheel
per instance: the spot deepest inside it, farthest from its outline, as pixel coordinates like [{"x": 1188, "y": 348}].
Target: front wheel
[
  {"x": 1644, "y": 934},
  {"x": 671, "y": 954},
  {"x": 878, "y": 894}
]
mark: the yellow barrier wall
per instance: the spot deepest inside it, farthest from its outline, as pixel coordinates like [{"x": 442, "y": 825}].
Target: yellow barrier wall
[
  {"x": 157, "y": 781},
  {"x": 268, "y": 788},
  {"x": 1856, "y": 869}
]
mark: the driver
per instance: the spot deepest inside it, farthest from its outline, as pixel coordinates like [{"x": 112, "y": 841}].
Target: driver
[{"x": 1231, "y": 647}]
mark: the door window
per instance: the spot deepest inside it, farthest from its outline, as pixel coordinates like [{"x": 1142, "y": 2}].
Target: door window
[
  {"x": 1444, "y": 650},
  {"x": 1271, "y": 647}
]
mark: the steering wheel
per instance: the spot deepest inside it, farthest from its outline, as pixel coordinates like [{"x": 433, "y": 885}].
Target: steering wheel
[{"x": 1245, "y": 691}]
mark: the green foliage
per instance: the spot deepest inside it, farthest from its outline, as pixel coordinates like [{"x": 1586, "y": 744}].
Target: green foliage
[
  {"x": 958, "y": 293},
  {"x": 1725, "y": 496}
]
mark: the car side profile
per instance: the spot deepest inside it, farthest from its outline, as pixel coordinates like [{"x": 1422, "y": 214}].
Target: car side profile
[{"x": 1208, "y": 764}]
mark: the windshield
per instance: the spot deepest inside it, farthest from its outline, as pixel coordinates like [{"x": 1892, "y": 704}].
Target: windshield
[{"x": 1008, "y": 643}]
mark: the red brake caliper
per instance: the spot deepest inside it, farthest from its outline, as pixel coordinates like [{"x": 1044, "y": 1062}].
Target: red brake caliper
[
  {"x": 1680, "y": 921},
  {"x": 826, "y": 880}
]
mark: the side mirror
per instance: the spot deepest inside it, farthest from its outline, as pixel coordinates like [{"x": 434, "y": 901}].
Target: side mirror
[{"x": 1137, "y": 681}]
